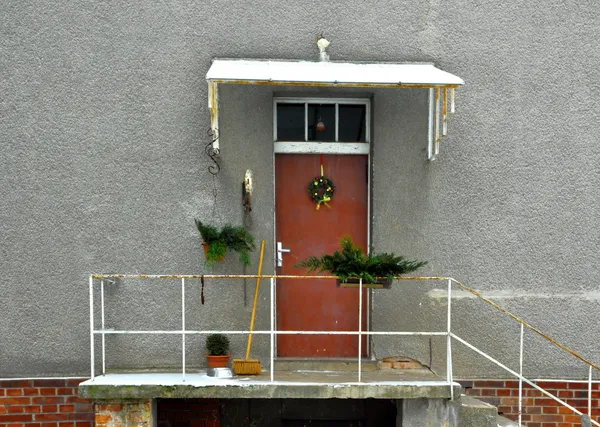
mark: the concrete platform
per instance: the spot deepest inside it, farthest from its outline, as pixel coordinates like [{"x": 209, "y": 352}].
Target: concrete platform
[{"x": 296, "y": 384}]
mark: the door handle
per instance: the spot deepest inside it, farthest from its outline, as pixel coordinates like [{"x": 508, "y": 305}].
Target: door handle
[{"x": 280, "y": 252}]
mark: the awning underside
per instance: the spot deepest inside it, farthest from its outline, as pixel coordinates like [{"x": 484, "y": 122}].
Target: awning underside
[
  {"x": 330, "y": 73},
  {"x": 441, "y": 84}
]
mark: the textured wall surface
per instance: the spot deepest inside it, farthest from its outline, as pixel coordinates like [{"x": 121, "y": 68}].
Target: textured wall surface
[{"x": 103, "y": 120}]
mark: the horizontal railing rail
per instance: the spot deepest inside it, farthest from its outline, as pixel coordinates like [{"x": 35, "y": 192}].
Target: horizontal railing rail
[{"x": 272, "y": 332}]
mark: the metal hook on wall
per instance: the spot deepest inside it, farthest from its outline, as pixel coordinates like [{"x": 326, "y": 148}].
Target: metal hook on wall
[{"x": 212, "y": 152}]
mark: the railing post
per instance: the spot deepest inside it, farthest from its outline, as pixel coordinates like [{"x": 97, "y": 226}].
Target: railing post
[
  {"x": 103, "y": 327},
  {"x": 449, "y": 376},
  {"x": 521, "y": 376},
  {"x": 183, "y": 329},
  {"x": 91, "y": 286},
  {"x": 272, "y": 328},
  {"x": 590, "y": 394},
  {"x": 360, "y": 290}
]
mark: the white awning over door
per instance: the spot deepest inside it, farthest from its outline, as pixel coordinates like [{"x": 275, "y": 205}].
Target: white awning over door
[
  {"x": 440, "y": 83},
  {"x": 326, "y": 73}
]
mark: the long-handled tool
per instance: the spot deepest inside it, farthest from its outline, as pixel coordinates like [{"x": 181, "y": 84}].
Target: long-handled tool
[{"x": 247, "y": 366}]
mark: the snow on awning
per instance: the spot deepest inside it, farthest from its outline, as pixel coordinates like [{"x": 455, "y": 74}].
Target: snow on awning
[
  {"x": 326, "y": 73},
  {"x": 340, "y": 74}
]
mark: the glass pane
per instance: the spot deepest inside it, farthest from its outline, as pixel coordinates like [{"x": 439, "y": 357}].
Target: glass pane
[
  {"x": 321, "y": 122},
  {"x": 352, "y": 123},
  {"x": 290, "y": 122}
]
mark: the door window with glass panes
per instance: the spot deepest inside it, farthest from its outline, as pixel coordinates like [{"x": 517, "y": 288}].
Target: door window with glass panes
[{"x": 344, "y": 121}]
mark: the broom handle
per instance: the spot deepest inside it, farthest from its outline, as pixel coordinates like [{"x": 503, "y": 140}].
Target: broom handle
[{"x": 262, "y": 251}]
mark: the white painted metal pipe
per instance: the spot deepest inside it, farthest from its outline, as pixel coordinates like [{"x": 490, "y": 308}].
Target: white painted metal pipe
[
  {"x": 590, "y": 394},
  {"x": 360, "y": 291},
  {"x": 451, "y": 100},
  {"x": 103, "y": 327},
  {"x": 516, "y": 374},
  {"x": 449, "y": 341},
  {"x": 91, "y": 285},
  {"x": 436, "y": 136},
  {"x": 183, "y": 330},
  {"x": 521, "y": 375},
  {"x": 272, "y": 367},
  {"x": 267, "y": 332}
]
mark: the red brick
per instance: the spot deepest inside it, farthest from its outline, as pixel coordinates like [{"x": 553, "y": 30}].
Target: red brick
[
  {"x": 49, "y": 408},
  {"x": 577, "y": 386},
  {"x": 65, "y": 391},
  {"x": 31, "y": 391},
  {"x": 47, "y": 400},
  {"x": 66, "y": 408},
  {"x": 1, "y": 392},
  {"x": 15, "y": 400},
  {"x": 83, "y": 424},
  {"x": 550, "y": 410},
  {"x": 3, "y": 410},
  {"x": 15, "y": 418},
  {"x": 33, "y": 409},
  {"x": 84, "y": 407},
  {"x": 81, "y": 416},
  {"x": 49, "y": 383},
  {"x": 50, "y": 424},
  {"x": 14, "y": 392},
  {"x": 15, "y": 383},
  {"x": 76, "y": 399},
  {"x": 46, "y": 391},
  {"x": 503, "y": 392},
  {"x": 66, "y": 424},
  {"x": 51, "y": 417},
  {"x": 102, "y": 418},
  {"x": 33, "y": 425},
  {"x": 14, "y": 409}
]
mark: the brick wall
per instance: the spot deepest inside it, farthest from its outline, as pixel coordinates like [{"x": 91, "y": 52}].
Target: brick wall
[
  {"x": 538, "y": 409},
  {"x": 44, "y": 403},
  {"x": 188, "y": 413},
  {"x": 124, "y": 413}
]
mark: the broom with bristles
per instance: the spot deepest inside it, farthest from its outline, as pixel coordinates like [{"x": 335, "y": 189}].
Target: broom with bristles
[{"x": 247, "y": 366}]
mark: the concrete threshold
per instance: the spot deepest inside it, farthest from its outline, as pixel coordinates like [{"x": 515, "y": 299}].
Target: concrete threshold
[{"x": 296, "y": 384}]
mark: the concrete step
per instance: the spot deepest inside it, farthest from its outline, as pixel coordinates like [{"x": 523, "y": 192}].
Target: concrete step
[
  {"x": 475, "y": 413},
  {"x": 505, "y": 422},
  {"x": 323, "y": 365}
]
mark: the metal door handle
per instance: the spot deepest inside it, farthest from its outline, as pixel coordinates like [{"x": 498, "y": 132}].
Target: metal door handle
[{"x": 280, "y": 252}]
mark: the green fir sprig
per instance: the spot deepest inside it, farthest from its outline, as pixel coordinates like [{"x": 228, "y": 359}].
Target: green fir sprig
[{"x": 351, "y": 262}]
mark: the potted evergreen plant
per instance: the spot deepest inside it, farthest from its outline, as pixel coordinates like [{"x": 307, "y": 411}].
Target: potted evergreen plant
[
  {"x": 351, "y": 264},
  {"x": 216, "y": 242},
  {"x": 217, "y": 347}
]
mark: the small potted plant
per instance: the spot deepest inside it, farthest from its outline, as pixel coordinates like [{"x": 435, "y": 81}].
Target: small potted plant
[
  {"x": 216, "y": 242},
  {"x": 217, "y": 347},
  {"x": 351, "y": 264}
]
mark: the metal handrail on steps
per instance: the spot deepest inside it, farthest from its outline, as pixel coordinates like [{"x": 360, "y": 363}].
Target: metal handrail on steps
[{"x": 272, "y": 332}]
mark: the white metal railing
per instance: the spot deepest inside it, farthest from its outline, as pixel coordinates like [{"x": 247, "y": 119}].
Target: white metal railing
[{"x": 272, "y": 332}]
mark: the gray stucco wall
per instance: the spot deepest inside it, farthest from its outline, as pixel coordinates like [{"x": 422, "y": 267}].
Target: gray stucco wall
[{"x": 103, "y": 118}]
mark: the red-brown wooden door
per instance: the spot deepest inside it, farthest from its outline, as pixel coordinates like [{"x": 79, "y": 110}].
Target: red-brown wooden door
[{"x": 318, "y": 305}]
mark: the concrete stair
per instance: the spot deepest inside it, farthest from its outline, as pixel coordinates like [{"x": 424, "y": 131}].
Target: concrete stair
[{"x": 475, "y": 413}]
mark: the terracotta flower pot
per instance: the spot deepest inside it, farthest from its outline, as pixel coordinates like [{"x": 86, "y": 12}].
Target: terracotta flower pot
[
  {"x": 205, "y": 246},
  {"x": 217, "y": 361}
]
